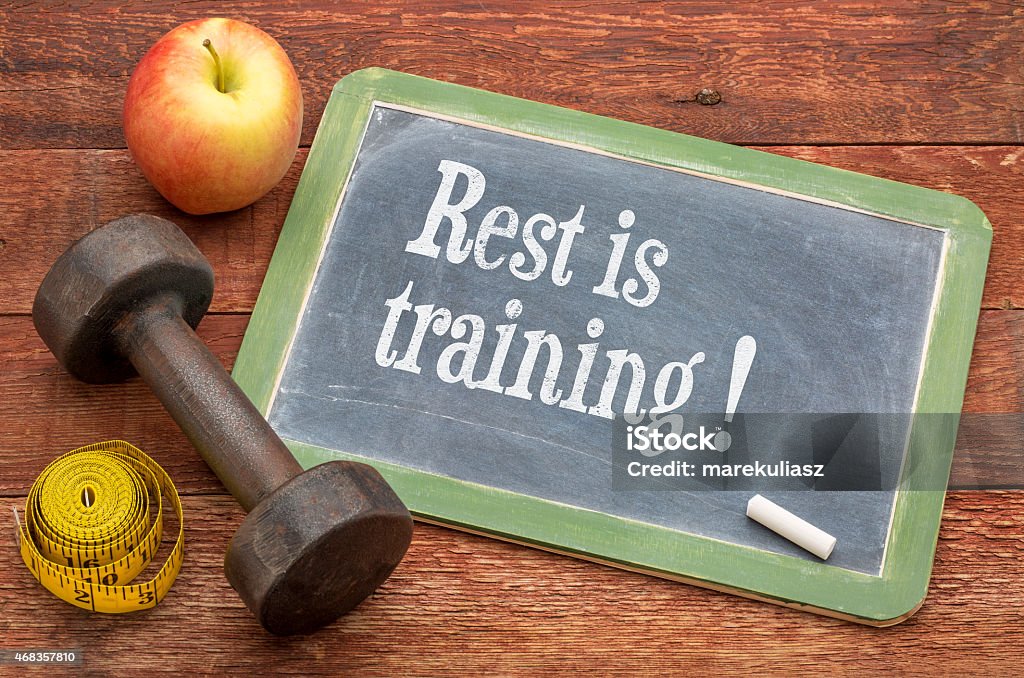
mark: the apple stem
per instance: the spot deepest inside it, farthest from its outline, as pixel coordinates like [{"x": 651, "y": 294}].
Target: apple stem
[{"x": 216, "y": 60}]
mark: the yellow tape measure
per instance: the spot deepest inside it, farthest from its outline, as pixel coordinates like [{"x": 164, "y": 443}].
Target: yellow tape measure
[{"x": 94, "y": 521}]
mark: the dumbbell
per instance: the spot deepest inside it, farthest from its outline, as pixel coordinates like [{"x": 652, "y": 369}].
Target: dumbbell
[{"x": 124, "y": 300}]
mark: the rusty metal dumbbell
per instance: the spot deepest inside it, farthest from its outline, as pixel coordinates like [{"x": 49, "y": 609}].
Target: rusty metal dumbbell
[{"x": 125, "y": 299}]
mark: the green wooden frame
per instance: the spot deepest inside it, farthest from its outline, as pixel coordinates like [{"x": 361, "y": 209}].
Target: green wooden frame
[{"x": 878, "y": 600}]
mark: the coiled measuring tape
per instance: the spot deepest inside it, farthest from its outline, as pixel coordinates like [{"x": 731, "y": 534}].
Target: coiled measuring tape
[{"x": 94, "y": 521}]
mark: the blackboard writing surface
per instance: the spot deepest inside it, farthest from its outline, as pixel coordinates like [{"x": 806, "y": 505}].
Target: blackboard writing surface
[
  {"x": 597, "y": 253},
  {"x": 837, "y": 300}
]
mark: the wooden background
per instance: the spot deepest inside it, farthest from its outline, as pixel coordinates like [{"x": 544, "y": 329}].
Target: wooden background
[{"x": 930, "y": 93}]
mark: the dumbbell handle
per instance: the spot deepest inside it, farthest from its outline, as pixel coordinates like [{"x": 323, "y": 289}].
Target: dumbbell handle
[{"x": 220, "y": 421}]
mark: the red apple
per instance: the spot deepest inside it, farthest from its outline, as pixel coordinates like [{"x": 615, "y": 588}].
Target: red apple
[{"x": 213, "y": 114}]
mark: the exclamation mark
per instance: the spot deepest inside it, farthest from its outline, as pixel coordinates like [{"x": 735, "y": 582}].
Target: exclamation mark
[{"x": 742, "y": 359}]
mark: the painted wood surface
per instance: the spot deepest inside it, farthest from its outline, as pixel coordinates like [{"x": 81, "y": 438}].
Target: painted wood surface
[
  {"x": 466, "y": 605},
  {"x": 937, "y": 85},
  {"x": 805, "y": 72}
]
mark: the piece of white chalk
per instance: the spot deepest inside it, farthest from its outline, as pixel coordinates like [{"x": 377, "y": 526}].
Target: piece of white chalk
[{"x": 793, "y": 528}]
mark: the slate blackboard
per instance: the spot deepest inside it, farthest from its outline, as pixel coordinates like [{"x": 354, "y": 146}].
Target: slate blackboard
[{"x": 843, "y": 301}]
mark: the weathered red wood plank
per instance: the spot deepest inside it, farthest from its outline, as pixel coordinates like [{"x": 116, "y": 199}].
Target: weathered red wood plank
[
  {"x": 84, "y": 189},
  {"x": 789, "y": 73},
  {"x": 47, "y": 412},
  {"x": 479, "y": 606},
  {"x": 88, "y": 188},
  {"x": 808, "y": 73}
]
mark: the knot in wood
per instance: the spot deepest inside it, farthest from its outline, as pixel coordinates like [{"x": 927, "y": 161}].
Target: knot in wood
[{"x": 708, "y": 97}]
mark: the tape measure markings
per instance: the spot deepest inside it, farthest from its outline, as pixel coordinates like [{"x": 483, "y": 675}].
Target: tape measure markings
[{"x": 100, "y": 510}]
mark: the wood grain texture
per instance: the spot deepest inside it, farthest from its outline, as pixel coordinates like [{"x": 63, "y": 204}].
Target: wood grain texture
[
  {"x": 90, "y": 187},
  {"x": 787, "y": 72},
  {"x": 469, "y": 605},
  {"x": 47, "y": 412},
  {"x": 792, "y": 75}
]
